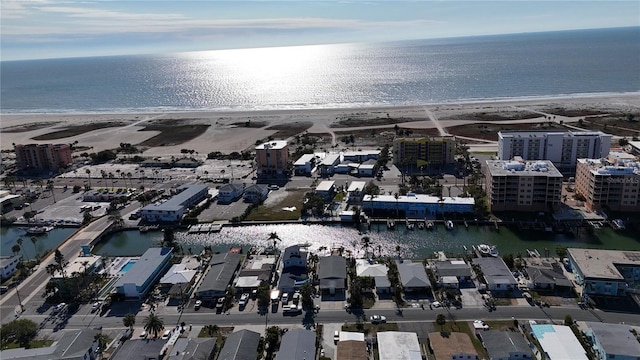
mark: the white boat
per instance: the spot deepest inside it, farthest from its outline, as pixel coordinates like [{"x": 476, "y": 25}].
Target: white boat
[
  {"x": 449, "y": 224},
  {"x": 618, "y": 224},
  {"x": 37, "y": 230},
  {"x": 488, "y": 250},
  {"x": 391, "y": 224},
  {"x": 421, "y": 225},
  {"x": 430, "y": 225},
  {"x": 410, "y": 225}
]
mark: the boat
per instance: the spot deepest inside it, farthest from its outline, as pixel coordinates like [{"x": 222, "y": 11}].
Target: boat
[
  {"x": 449, "y": 224},
  {"x": 430, "y": 225},
  {"x": 38, "y": 230},
  {"x": 421, "y": 225},
  {"x": 410, "y": 225},
  {"x": 487, "y": 250},
  {"x": 618, "y": 224},
  {"x": 391, "y": 224}
]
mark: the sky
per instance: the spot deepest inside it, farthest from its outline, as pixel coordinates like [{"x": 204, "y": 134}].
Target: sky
[{"x": 38, "y": 29}]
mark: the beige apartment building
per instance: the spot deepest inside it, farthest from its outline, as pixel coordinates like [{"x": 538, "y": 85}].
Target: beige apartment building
[
  {"x": 602, "y": 182},
  {"x": 424, "y": 151},
  {"x": 36, "y": 158},
  {"x": 272, "y": 160},
  {"x": 519, "y": 185}
]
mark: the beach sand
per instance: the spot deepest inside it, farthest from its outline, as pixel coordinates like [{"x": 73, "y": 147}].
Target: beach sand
[{"x": 228, "y": 131}]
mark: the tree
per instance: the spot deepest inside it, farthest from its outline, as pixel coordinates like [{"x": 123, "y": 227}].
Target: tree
[
  {"x": 366, "y": 243},
  {"x": 88, "y": 171},
  {"x": 508, "y": 260},
  {"x": 103, "y": 340},
  {"x": 275, "y": 238},
  {"x": 20, "y": 241},
  {"x": 21, "y": 331},
  {"x": 441, "y": 320},
  {"x": 86, "y": 218},
  {"x": 34, "y": 240},
  {"x": 153, "y": 324},
  {"x": 15, "y": 249},
  {"x": 306, "y": 291},
  {"x": 561, "y": 251},
  {"x": 568, "y": 320},
  {"x": 129, "y": 320},
  {"x": 50, "y": 188},
  {"x": 116, "y": 218},
  {"x": 59, "y": 260},
  {"x": 211, "y": 329},
  {"x": 395, "y": 196},
  {"x": 263, "y": 295}
]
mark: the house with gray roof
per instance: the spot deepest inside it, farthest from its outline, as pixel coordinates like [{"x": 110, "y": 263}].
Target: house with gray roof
[
  {"x": 496, "y": 273},
  {"x": 193, "y": 349},
  {"x": 172, "y": 210},
  {"x": 332, "y": 273},
  {"x": 256, "y": 193},
  {"x": 147, "y": 349},
  {"x": 220, "y": 274},
  {"x": 613, "y": 341},
  {"x": 73, "y": 345},
  {"x": 450, "y": 269},
  {"x": 505, "y": 345},
  {"x": 413, "y": 276},
  {"x": 297, "y": 344},
  {"x": 294, "y": 269},
  {"x": 548, "y": 276},
  {"x": 146, "y": 271},
  {"x": 229, "y": 193},
  {"x": 240, "y": 345}
]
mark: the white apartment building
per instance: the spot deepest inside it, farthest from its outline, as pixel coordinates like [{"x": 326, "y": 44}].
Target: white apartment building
[
  {"x": 563, "y": 148},
  {"x": 604, "y": 184},
  {"x": 519, "y": 185}
]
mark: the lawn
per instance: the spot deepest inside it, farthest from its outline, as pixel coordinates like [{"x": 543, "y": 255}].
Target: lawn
[
  {"x": 275, "y": 212},
  {"x": 171, "y": 134},
  {"x": 77, "y": 130},
  {"x": 370, "y": 330},
  {"x": 32, "y": 344},
  {"x": 463, "y": 327}
]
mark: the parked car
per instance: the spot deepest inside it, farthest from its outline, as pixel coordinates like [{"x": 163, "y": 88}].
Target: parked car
[
  {"x": 243, "y": 299},
  {"x": 274, "y": 187},
  {"x": 197, "y": 305},
  {"x": 95, "y": 306},
  {"x": 166, "y": 335},
  {"x": 336, "y": 336},
  {"x": 143, "y": 335},
  {"x": 378, "y": 319},
  {"x": 285, "y": 298}
]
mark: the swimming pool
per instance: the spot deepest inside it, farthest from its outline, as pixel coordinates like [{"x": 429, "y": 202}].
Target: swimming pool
[{"x": 127, "y": 266}]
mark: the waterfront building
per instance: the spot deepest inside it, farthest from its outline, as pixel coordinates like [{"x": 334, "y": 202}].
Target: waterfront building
[
  {"x": 8, "y": 265},
  {"x": 326, "y": 189},
  {"x": 37, "y": 158},
  {"x": 398, "y": 345},
  {"x": 560, "y": 147},
  {"x": 178, "y": 274},
  {"x": 559, "y": 342},
  {"x": 367, "y": 168},
  {"x": 193, "y": 349},
  {"x": 360, "y": 156},
  {"x": 604, "y": 184},
  {"x": 496, "y": 274},
  {"x": 424, "y": 152},
  {"x": 505, "y": 345},
  {"x": 82, "y": 264},
  {"x": 328, "y": 165},
  {"x": 613, "y": 341},
  {"x": 518, "y": 185},
  {"x": 146, "y": 271},
  {"x": 605, "y": 272},
  {"x": 332, "y": 274},
  {"x": 173, "y": 209},
  {"x": 413, "y": 276},
  {"x": 10, "y": 201},
  {"x": 72, "y": 345},
  {"x": 257, "y": 270},
  {"x": 240, "y": 345},
  {"x": 452, "y": 346},
  {"x": 256, "y": 193},
  {"x": 450, "y": 273},
  {"x": 378, "y": 272},
  {"x": 220, "y": 273},
  {"x": 416, "y": 206},
  {"x": 355, "y": 192},
  {"x": 548, "y": 276},
  {"x": 272, "y": 160},
  {"x": 229, "y": 193},
  {"x": 294, "y": 269},
  {"x": 305, "y": 164},
  {"x": 297, "y": 344}
]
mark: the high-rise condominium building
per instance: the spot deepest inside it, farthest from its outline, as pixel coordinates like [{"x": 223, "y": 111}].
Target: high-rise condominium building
[
  {"x": 34, "y": 158},
  {"x": 603, "y": 184},
  {"x": 424, "y": 151},
  {"x": 272, "y": 159}
]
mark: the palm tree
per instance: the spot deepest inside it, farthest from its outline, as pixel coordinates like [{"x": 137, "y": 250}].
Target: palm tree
[
  {"x": 395, "y": 195},
  {"x": 398, "y": 250},
  {"x": 366, "y": 242},
  {"x": 153, "y": 324},
  {"x": 211, "y": 329},
  {"x": 379, "y": 250},
  {"x": 34, "y": 240},
  {"x": 88, "y": 171},
  {"x": 116, "y": 218},
  {"x": 129, "y": 176},
  {"x": 50, "y": 188},
  {"x": 129, "y": 320},
  {"x": 274, "y": 236},
  {"x": 15, "y": 249},
  {"x": 20, "y": 241}
]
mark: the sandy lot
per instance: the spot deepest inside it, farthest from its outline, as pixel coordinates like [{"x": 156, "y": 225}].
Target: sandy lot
[{"x": 227, "y": 133}]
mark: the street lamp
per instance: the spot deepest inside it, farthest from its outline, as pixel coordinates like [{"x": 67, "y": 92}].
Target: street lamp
[{"x": 19, "y": 301}]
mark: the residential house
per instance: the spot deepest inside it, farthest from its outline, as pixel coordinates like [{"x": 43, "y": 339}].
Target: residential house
[
  {"x": 8, "y": 265},
  {"x": 505, "y": 345},
  {"x": 151, "y": 349},
  {"x": 72, "y": 345},
  {"x": 220, "y": 274},
  {"x": 256, "y": 193},
  {"x": 398, "y": 345},
  {"x": 193, "y": 349},
  {"x": 452, "y": 346},
  {"x": 229, "y": 193},
  {"x": 355, "y": 192},
  {"x": 548, "y": 276},
  {"x": 257, "y": 270},
  {"x": 172, "y": 210},
  {"x": 332, "y": 274},
  {"x": 558, "y": 342},
  {"x": 305, "y": 164},
  {"x": 613, "y": 341},
  {"x": 327, "y": 165},
  {"x": 496, "y": 274},
  {"x": 413, "y": 276},
  {"x": 240, "y": 345},
  {"x": 379, "y": 273},
  {"x": 294, "y": 269},
  {"x": 367, "y": 168},
  {"x": 450, "y": 273},
  {"x": 326, "y": 189},
  {"x": 360, "y": 156},
  {"x": 297, "y": 344},
  {"x": 146, "y": 271}
]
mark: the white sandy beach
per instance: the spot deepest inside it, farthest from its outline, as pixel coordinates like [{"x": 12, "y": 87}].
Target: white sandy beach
[{"x": 224, "y": 136}]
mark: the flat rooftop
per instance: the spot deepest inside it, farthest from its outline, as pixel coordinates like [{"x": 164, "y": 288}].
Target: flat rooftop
[
  {"x": 522, "y": 168},
  {"x": 601, "y": 264},
  {"x": 544, "y": 133},
  {"x": 559, "y": 342},
  {"x": 176, "y": 203},
  {"x": 419, "y": 199},
  {"x": 398, "y": 345},
  {"x": 325, "y": 185},
  {"x": 357, "y": 186},
  {"x": 275, "y": 144},
  {"x": 144, "y": 267},
  {"x": 599, "y": 167}
]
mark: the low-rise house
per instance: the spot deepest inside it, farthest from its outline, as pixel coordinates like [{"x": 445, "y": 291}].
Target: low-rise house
[
  {"x": 367, "y": 168},
  {"x": 548, "y": 276},
  {"x": 220, "y": 274},
  {"x": 8, "y": 265},
  {"x": 360, "y": 155},
  {"x": 355, "y": 192},
  {"x": 229, "y": 193},
  {"x": 379, "y": 273},
  {"x": 256, "y": 193},
  {"x": 178, "y": 274},
  {"x": 73, "y": 345},
  {"x": 240, "y": 345},
  {"x": 193, "y": 349},
  {"x": 297, "y": 344},
  {"x": 257, "y": 270},
  {"x": 147, "y": 270},
  {"x": 327, "y": 165},
  {"x": 173, "y": 209},
  {"x": 450, "y": 273},
  {"x": 81, "y": 265},
  {"x": 191, "y": 163},
  {"x": 326, "y": 189},
  {"x": 453, "y": 346},
  {"x": 558, "y": 342},
  {"x": 413, "y": 276},
  {"x": 613, "y": 341},
  {"x": 505, "y": 345},
  {"x": 305, "y": 164},
  {"x": 140, "y": 349},
  {"x": 496, "y": 274},
  {"x": 398, "y": 345},
  {"x": 332, "y": 274},
  {"x": 294, "y": 269},
  {"x": 417, "y": 206},
  {"x": 605, "y": 272}
]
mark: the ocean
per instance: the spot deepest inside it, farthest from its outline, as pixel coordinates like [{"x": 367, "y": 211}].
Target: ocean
[{"x": 417, "y": 72}]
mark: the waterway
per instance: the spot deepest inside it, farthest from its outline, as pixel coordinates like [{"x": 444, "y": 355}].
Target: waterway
[
  {"x": 9, "y": 236},
  {"x": 413, "y": 243}
]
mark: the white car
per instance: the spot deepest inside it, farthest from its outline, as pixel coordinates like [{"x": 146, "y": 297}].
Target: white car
[
  {"x": 285, "y": 298},
  {"x": 143, "y": 335},
  {"x": 479, "y": 324},
  {"x": 336, "y": 336},
  {"x": 243, "y": 299},
  {"x": 378, "y": 319},
  {"x": 198, "y": 304},
  {"x": 166, "y": 335},
  {"x": 436, "y": 304},
  {"x": 95, "y": 306}
]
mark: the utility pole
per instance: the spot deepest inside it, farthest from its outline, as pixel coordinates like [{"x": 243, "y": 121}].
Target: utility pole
[{"x": 19, "y": 301}]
